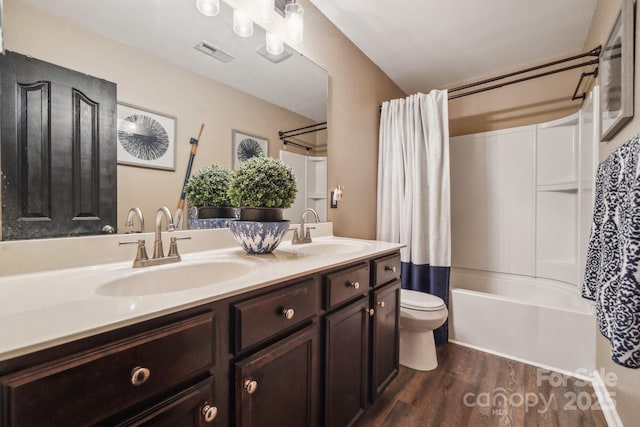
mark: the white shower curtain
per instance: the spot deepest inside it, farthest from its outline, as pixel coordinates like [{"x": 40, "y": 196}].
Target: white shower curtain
[{"x": 414, "y": 190}]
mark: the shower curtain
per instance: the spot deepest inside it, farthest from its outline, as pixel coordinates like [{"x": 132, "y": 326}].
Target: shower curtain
[{"x": 413, "y": 191}]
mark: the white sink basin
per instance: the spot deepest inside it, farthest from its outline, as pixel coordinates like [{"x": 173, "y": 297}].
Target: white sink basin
[
  {"x": 325, "y": 247},
  {"x": 173, "y": 278}
]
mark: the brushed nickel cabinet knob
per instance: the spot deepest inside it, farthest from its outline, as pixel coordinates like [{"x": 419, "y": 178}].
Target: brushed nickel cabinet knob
[
  {"x": 381, "y": 304},
  {"x": 391, "y": 269},
  {"x": 288, "y": 313},
  {"x": 139, "y": 375},
  {"x": 209, "y": 412},
  {"x": 355, "y": 285},
  {"x": 250, "y": 385}
]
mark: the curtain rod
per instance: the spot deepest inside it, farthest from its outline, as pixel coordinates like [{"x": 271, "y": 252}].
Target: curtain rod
[
  {"x": 593, "y": 52},
  {"x": 286, "y": 142},
  {"x": 289, "y": 133}
]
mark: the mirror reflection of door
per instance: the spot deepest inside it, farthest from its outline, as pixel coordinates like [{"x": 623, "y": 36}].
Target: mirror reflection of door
[
  {"x": 58, "y": 150},
  {"x": 311, "y": 179}
]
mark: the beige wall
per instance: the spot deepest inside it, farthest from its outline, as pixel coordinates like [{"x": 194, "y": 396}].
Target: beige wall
[
  {"x": 356, "y": 88},
  {"x": 627, "y": 389},
  {"x": 147, "y": 81}
]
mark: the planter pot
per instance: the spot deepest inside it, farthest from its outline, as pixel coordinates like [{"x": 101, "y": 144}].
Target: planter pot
[
  {"x": 261, "y": 214},
  {"x": 258, "y": 237},
  {"x": 199, "y": 220},
  {"x": 206, "y": 212}
]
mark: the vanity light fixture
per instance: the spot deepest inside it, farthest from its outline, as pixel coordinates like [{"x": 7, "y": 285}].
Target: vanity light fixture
[
  {"x": 208, "y": 7},
  {"x": 242, "y": 25},
  {"x": 293, "y": 13},
  {"x": 265, "y": 10},
  {"x": 274, "y": 44}
]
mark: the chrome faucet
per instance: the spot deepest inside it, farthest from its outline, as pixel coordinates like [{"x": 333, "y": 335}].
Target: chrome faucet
[
  {"x": 164, "y": 211},
  {"x": 142, "y": 260},
  {"x": 303, "y": 235},
  {"x": 137, "y": 212}
]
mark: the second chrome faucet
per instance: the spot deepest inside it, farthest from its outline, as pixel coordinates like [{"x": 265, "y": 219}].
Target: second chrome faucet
[{"x": 303, "y": 235}]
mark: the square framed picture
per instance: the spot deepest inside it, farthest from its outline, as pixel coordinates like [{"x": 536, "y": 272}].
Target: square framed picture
[
  {"x": 146, "y": 138},
  {"x": 246, "y": 146}
]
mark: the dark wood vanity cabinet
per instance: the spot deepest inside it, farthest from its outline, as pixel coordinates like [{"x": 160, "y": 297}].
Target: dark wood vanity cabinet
[
  {"x": 108, "y": 383},
  {"x": 346, "y": 363},
  {"x": 385, "y": 337},
  {"x": 311, "y": 351},
  {"x": 278, "y": 386}
]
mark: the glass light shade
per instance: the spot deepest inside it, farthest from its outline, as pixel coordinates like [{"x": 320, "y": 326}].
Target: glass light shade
[
  {"x": 242, "y": 25},
  {"x": 265, "y": 10},
  {"x": 208, "y": 7},
  {"x": 293, "y": 13},
  {"x": 274, "y": 44}
]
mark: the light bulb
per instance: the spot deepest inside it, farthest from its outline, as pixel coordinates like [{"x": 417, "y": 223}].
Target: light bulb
[
  {"x": 208, "y": 7},
  {"x": 275, "y": 46},
  {"x": 242, "y": 25},
  {"x": 294, "y": 17},
  {"x": 265, "y": 10}
]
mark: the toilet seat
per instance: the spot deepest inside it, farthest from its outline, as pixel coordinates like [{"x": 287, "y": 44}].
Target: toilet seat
[{"x": 420, "y": 301}]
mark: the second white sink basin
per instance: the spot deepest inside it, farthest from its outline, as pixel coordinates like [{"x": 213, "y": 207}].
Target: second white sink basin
[
  {"x": 326, "y": 247},
  {"x": 173, "y": 278}
]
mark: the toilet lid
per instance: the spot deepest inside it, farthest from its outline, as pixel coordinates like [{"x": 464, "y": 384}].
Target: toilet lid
[{"x": 419, "y": 301}]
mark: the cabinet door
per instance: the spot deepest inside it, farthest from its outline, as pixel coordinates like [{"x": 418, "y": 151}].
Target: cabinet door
[
  {"x": 385, "y": 337},
  {"x": 194, "y": 407},
  {"x": 346, "y": 358},
  {"x": 58, "y": 150},
  {"x": 278, "y": 385}
]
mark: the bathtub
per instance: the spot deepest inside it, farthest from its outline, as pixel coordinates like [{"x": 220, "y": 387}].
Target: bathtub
[{"x": 538, "y": 321}]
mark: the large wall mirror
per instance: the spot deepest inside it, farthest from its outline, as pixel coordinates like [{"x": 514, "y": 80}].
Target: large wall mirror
[{"x": 148, "y": 49}]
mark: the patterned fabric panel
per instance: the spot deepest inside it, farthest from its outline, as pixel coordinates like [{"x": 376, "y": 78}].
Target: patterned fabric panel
[{"x": 612, "y": 278}]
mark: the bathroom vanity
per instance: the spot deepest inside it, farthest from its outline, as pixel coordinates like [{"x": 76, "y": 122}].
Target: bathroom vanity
[{"x": 306, "y": 336}]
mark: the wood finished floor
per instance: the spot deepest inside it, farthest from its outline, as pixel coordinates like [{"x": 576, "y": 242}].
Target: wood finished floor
[{"x": 497, "y": 392}]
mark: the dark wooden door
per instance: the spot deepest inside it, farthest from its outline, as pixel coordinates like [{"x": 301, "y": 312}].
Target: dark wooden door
[
  {"x": 346, "y": 362},
  {"x": 278, "y": 386},
  {"x": 385, "y": 337},
  {"x": 58, "y": 142}
]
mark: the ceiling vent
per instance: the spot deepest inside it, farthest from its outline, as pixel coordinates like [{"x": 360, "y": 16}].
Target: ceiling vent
[
  {"x": 286, "y": 53},
  {"x": 211, "y": 50}
]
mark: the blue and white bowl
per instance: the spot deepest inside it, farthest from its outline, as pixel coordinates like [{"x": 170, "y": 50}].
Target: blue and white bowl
[{"x": 258, "y": 237}]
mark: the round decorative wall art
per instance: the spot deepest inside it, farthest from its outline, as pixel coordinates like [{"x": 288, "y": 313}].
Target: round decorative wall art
[
  {"x": 246, "y": 146},
  {"x": 145, "y": 138}
]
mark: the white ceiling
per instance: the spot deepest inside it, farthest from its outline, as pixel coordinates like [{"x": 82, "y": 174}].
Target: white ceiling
[{"x": 428, "y": 44}]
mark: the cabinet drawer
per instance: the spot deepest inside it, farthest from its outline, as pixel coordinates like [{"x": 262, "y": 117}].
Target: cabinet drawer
[
  {"x": 346, "y": 284},
  {"x": 386, "y": 269},
  {"x": 265, "y": 316},
  {"x": 90, "y": 386}
]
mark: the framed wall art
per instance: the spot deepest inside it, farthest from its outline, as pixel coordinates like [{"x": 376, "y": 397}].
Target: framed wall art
[
  {"x": 616, "y": 74},
  {"x": 146, "y": 138},
  {"x": 246, "y": 146}
]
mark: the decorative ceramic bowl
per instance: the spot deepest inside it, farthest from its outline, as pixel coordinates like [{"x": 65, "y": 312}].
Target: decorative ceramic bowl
[{"x": 258, "y": 237}]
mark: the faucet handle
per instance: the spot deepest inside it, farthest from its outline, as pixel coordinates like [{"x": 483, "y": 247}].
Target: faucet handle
[
  {"x": 307, "y": 235},
  {"x": 141, "y": 255},
  {"x": 173, "y": 246}
]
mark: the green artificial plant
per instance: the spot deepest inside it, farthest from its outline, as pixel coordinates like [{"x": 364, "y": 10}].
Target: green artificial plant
[
  {"x": 262, "y": 182},
  {"x": 209, "y": 186}
]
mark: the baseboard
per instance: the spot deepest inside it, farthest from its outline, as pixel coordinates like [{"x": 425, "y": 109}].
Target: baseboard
[{"x": 607, "y": 405}]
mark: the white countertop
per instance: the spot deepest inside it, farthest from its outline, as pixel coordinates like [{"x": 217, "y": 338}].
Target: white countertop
[{"x": 63, "y": 303}]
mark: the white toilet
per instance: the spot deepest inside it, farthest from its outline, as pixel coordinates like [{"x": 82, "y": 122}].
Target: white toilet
[{"x": 420, "y": 314}]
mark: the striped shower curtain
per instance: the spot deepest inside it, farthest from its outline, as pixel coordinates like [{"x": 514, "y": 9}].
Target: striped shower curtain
[{"x": 413, "y": 191}]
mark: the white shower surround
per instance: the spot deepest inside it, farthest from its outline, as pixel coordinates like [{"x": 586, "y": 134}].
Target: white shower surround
[{"x": 538, "y": 321}]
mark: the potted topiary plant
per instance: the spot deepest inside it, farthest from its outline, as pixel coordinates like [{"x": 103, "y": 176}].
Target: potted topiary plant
[
  {"x": 261, "y": 187},
  {"x": 207, "y": 192}
]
